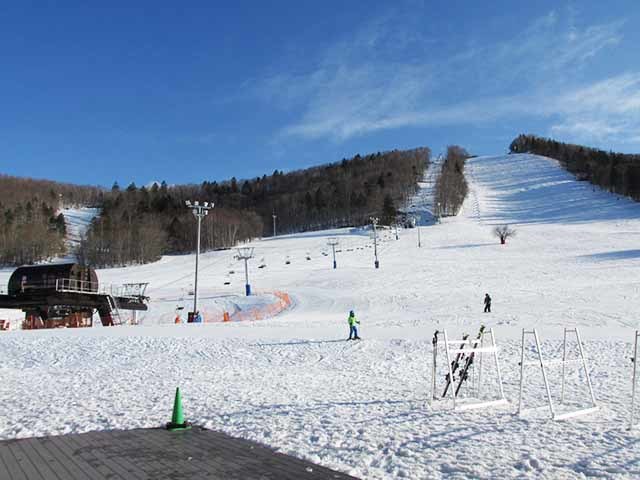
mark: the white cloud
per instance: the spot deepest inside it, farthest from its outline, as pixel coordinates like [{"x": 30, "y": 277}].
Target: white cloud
[
  {"x": 385, "y": 75},
  {"x": 615, "y": 95},
  {"x": 606, "y": 110}
]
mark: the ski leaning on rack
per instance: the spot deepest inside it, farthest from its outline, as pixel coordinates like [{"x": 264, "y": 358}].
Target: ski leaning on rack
[
  {"x": 454, "y": 365},
  {"x": 465, "y": 370}
]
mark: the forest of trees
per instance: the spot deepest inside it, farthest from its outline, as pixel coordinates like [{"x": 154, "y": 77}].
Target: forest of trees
[
  {"x": 616, "y": 172},
  {"x": 451, "y": 186},
  {"x": 32, "y": 228},
  {"x": 328, "y": 196},
  {"x": 138, "y": 225}
]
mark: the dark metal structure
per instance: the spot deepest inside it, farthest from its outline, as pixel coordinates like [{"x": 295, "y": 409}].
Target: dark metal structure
[{"x": 66, "y": 295}]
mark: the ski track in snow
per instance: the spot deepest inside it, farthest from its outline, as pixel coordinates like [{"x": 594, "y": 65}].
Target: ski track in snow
[{"x": 293, "y": 383}]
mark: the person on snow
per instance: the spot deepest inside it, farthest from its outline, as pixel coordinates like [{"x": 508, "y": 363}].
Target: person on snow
[
  {"x": 487, "y": 303},
  {"x": 353, "y": 330},
  {"x": 198, "y": 318}
]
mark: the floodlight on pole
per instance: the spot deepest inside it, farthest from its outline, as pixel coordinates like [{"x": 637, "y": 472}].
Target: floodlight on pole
[
  {"x": 374, "y": 222},
  {"x": 332, "y": 242},
  {"x": 246, "y": 253},
  {"x": 199, "y": 211}
]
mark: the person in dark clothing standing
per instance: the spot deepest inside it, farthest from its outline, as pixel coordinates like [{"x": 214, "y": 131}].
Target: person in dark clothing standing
[{"x": 487, "y": 303}]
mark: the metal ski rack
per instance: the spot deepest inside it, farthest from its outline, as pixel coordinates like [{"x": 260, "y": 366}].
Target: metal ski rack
[
  {"x": 545, "y": 363},
  {"x": 475, "y": 346}
]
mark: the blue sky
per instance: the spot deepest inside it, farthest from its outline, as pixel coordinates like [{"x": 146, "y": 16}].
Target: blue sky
[{"x": 92, "y": 92}]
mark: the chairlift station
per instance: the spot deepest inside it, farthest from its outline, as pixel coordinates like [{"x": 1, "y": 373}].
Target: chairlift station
[{"x": 67, "y": 295}]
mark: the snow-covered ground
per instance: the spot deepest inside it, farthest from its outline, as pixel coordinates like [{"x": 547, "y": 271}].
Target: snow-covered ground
[
  {"x": 77, "y": 221},
  {"x": 292, "y": 382}
]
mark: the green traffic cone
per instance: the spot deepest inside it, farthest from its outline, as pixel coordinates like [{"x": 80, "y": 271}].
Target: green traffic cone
[{"x": 177, "y": 419}]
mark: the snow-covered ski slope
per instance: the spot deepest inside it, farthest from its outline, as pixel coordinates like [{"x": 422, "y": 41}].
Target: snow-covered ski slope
[
  {"x": 294, "y": 383},
  {"x": 421, "y": 205},
  {"x": 78, "y": 221}
]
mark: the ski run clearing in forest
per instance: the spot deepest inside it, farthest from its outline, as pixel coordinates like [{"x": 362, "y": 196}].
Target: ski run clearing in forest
[{"x": 294, "y": 383}]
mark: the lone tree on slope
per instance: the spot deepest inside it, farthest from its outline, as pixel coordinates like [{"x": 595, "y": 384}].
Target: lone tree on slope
[{"x": 503, "y": 232}]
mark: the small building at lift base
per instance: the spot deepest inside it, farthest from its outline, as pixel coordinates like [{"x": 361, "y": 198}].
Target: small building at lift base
[{"x": 67, "y": 295}]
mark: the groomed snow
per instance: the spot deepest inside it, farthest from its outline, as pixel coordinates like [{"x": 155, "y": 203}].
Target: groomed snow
[
  {"x": 293, "y": 383},
  {"x": 77, "y": 221}
]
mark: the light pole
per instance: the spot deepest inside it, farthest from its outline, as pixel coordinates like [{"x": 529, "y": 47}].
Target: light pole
[
  {"x": 274, "y": 223},
  {"x": 246, "y": 253},
  {"x": 332, "y": 242},
  {"x": 199, "y": 211},
  {"x": 374, "y": 222}
]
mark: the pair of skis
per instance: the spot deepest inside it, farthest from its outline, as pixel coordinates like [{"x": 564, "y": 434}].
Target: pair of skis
[{"x": 462, "y": 361}]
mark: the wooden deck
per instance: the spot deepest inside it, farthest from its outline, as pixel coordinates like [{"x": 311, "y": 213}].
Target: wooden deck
[{"x": 153, "y": 454}]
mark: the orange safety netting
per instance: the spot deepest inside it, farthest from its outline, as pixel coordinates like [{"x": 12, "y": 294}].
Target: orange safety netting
[{"x": 263, "y": 311}]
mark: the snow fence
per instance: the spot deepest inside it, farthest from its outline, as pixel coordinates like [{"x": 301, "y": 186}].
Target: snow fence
[
  {"x": 264, "y": 305},
  {"x": 261, "y": 312}
]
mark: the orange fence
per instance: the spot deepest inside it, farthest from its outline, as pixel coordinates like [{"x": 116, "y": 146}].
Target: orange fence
[{"x": 260, "y": 312}]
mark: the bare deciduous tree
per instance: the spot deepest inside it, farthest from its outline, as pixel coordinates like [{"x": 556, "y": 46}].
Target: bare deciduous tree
[{"x": 503, "y": 232}]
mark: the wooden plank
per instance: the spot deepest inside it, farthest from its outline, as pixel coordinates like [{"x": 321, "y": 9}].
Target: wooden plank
[
  {"x": 23, "y": 462},
  {"x": 153, "y": 454},
  {"x": 223, "y": 457},
  {"x": 105, "y": 445},
  {"x": 249, "y": 458},
  {"x": 180, "y": 444},
  {"x": 89, "y": 451},
  {"x": 4, "y": 470},
  {"x": 126, "y": 450},
  {"x": 38, "y": 457},
  {"x": 15, "y": 471},
  {"x": 98, "y": 470},
  {"x": 255, "y": 459},
  {"x": 68, "y": 455},
  {"x": 229, "y": 462},
  {"x": 56, "y": 449}
]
